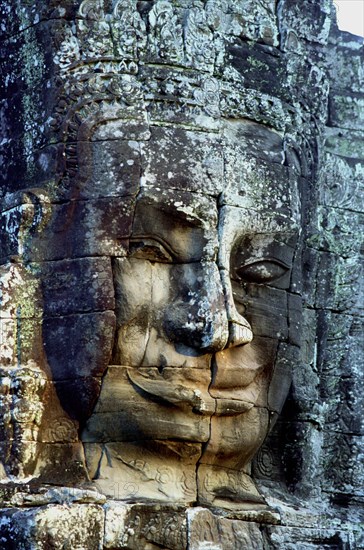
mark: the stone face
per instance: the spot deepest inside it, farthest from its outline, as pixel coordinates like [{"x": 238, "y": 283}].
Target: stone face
[{"x": 180, "y": 249}]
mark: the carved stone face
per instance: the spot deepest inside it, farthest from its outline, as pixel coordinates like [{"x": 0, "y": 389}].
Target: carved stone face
[{"x": 204, "y": 332}]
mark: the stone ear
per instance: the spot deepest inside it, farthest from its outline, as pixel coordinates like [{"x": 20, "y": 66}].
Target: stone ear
[{"x": 25, "y": 214}]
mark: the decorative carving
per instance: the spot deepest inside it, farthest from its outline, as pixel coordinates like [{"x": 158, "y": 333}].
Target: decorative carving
[
  {"x": 166, "y": 530},
  {"x": 93, "y": 31},
  {"x": 209, "y": 96},
  {"x": 91, "y": 10},
  {"x": 68, "y": 50},
  {"x": 61, "y": 430},
  {"x": 264, "y": 462},
  {"x": 26, "y": 214},
  {"x": 340, "y": 182},
  {"x": 199, "y": 40},
  {"x": 166, "y": 38},
  {"x": 22, "y": 409},
  {"x": 128, "y": 30},
  {"x": 216, "y": 11}
]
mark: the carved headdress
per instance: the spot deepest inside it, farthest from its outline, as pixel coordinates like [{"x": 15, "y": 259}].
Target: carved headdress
[{"x": 177, "y": 63}]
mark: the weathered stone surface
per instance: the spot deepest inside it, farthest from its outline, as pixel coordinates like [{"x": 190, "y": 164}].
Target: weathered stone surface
[
  {"x": 180, "y": 226},
  {"x": 286, "y": 360},
  {"x": 114, "y": 166},
  {"x": 347, "y": 111},
  {"x": 341, "y": 185},
  {"x": 279, "y": 538},
  {"x": 77, "y": 369},
  {"x": 86, "y": 228},
  {"x": 82, "y": 525},
  {"x": 210, "y": 531},
  {"x": 132, "y": 525},
  {"x": 76, "y": 356},
  {"x": 346, "y": 143},
  {"x": 163, "y": 471},
  {"x": 76, "y": 286},
  {"x": 202, "y": 174},
  {"x": 31, "y": 495},
  {"x": 314, "y": 19},
  {"x": 340, "y": 287},
  {"x": 261, "y": 319}
]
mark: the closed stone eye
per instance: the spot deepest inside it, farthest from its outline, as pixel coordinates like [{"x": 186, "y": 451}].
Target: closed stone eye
[
  {"x": 150, "y": 249},
  {"x": 261, "y": 271}
]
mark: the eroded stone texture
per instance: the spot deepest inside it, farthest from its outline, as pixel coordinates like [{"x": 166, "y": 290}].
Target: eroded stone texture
[
  {"x": 38, "y": 528},
  {"x": 179, "y": 243}
]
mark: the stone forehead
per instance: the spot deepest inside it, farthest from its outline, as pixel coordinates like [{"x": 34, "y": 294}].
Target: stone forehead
[{"x": 245, "y": 158}]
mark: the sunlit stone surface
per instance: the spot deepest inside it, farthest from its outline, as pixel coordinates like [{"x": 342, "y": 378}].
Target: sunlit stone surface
[{"x": 180, "y": 251}]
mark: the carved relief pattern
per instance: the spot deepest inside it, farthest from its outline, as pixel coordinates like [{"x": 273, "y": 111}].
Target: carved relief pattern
[
  {"x": 166, "y": 530},
  {"x": 166, "y": 39},
  {"x": 209, "y": 96},
  {"x": 128, "y": 30},
  {"x": 155, "y": 302},
  {"x": 93, "y": 31},
  {"x": 22, "y": 410},
  {"x": 68, "y": 51},
  {"x": 61, "y": 430},
  {"x": 199, "y": 40},
  {"x": 216, "y": 13}
]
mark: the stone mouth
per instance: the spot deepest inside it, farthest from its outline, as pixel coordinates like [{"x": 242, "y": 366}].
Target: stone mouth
[
  {"x": 232, "y": 407},
  {"x": 201, "y": 400}
]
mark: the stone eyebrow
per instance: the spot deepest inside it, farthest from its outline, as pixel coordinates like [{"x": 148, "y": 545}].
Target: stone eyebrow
[{"x": 182, "y": 212}]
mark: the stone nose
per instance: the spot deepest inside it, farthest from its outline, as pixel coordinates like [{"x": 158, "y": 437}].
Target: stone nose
[
  {"x": 199, "y": 319},
  {"x": 240, "y": 331},
  {"x": 239, "y": 334}
]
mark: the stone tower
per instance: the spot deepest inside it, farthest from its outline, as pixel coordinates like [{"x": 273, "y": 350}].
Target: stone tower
[{"x": 180, "y": 301}]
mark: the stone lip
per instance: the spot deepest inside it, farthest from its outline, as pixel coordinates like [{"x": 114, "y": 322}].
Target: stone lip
[{"x": 205, "y": 405}]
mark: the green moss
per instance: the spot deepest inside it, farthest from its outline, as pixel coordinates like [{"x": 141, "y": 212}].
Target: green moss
[
  {"x": 28, "y": 310},
  {"x": 257, "y": 64},
  {"x": 32, "y": 71}
]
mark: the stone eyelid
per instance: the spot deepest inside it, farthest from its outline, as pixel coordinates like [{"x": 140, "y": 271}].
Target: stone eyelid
[
  {"x": 163, "y": 252},
  {"x": 253, "y": 271}
]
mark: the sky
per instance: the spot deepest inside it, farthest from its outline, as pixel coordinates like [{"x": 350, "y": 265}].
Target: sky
[{"x": 350, "y": 16}]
